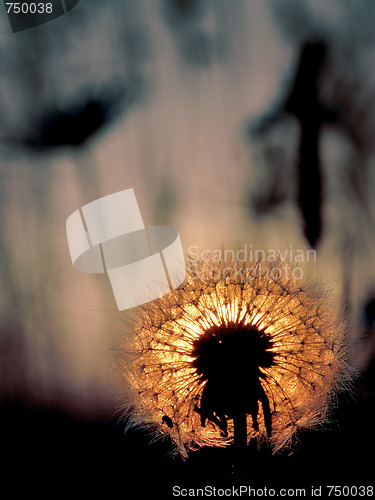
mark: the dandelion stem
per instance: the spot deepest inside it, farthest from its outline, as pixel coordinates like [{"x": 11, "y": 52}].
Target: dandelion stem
[
  {"x": 240, "y": 430},
  {"x": 239, "y": 462}
]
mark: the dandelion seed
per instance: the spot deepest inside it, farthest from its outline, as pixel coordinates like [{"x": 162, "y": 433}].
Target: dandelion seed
[{"x": 237, "y": 351}]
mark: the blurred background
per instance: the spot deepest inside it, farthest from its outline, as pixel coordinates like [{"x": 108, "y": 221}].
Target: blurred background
[{"x": 238, "y": 122}]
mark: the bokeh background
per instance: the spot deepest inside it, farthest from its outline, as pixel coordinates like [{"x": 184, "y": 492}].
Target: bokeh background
[{"x": 238, "y": 122}]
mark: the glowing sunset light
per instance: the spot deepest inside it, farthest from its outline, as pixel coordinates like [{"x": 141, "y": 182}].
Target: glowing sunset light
[{"x": 245, "y": 352}]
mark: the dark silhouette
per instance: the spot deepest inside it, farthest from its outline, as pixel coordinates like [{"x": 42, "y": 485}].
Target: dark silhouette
[
  {"x": 73, "y": 125},
  {"x": 168, "y": 421},
  {"x": 229, "y": 358},
  {"x": 305, "y": 104},
  {"x": 303, "y": 101}
]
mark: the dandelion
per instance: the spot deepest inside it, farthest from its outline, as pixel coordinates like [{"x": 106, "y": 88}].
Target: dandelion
[{"x": 237, "y": 352}]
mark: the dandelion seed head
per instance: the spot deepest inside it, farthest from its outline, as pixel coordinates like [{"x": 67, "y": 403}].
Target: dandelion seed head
[{"x": 240, "y": 341}]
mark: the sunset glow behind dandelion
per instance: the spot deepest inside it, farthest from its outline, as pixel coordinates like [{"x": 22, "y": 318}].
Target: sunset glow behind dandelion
[{"x": 217, "y": 333}]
